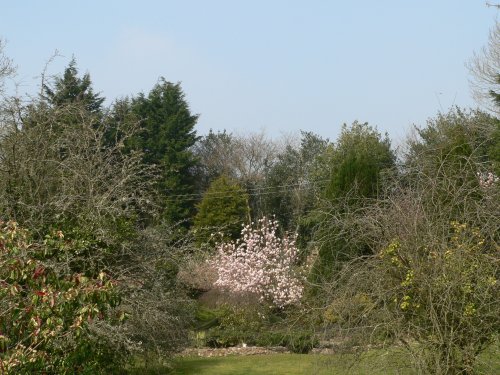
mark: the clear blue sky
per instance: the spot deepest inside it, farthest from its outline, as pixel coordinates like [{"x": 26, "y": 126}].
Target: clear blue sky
[{"x": 274, "y": 64}]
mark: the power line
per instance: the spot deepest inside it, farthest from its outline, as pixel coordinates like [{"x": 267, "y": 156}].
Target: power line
[{"x": 268, "y": 190}]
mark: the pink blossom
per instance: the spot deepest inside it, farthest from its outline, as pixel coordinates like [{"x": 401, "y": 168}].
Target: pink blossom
[
  {"x": 487, "y": 179},
  {"x": 260, "y": 263}
]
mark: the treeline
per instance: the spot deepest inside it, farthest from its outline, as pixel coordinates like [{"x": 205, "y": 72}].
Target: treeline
[{"x": 116, "y": 222}]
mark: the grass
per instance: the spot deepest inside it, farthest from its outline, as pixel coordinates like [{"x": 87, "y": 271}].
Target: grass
[
  {"x": 375, "y": 362},
  {"x": 295, "y": 364}
]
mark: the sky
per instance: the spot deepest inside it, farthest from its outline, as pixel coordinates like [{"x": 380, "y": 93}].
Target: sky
[{"x": 263, "y": 65}]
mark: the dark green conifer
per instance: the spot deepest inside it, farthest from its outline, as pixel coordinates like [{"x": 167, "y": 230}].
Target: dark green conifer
[{"x": 224, "y": 208}]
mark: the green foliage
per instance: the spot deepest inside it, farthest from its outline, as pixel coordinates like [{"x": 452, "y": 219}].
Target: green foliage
[
  {"x": 47, "y": 311},
  {"x": 235, "y": 325},
  {"x": 293, "y": 181},
  {"x": 166, "y": 140},
  {"x": 495, "y": 95},
  {"x": 297, "y": 341},
  {"x": 357, "y": 165},
  {"x": 357, "y": 161},
  {"x": 451, "y": 140},
  {"x": 334, "y": 250},
  {"x": 224, "y": 208},
  {"x": 301, "y": 342},
  {"x": 120, "y": 121},
  {"x": 231, "y": 325},
  {"x": 70, "y": 89}
]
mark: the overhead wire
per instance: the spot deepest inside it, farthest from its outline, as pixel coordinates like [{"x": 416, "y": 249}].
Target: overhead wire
[{"x": 256, "y": 191}]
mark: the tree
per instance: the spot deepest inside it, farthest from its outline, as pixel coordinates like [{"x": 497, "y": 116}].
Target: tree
[
  {"x": 262, "y": 264},
  {"x": 6, "y": 66},
  {"x": 245, "y": 158},
  {"x": 428, "y": 276},
  {"x": 450, "y": 140},
  {"x": 357, "y": 165},
  {"x": 55, "y": 175},
  {"x": 166, "y": 140},
  {"x": 485, "y": 70},
  {"x": 224, "y": 208},
  {"x": 291, "y": 182},
  {"x": 357, "y": 162},
  {"x": 216, "y": 153},
  {"x": 72, "y": 172},
  {"x": 430, "y": 279},
  {"x": 70, "y": 89},
  {"x": 118, "y": 123}
]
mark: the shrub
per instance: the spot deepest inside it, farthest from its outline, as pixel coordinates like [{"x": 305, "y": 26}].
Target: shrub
[
  {"x": 271, "y": 337},
  {"x": 223, "y": 208},
  {"x": 235, "y": 325},
  {"x": 431, "y": 282},
  {"x": 47, "y": 313},
  {"x": 262, "y": 264},
  {"x": 300, "y": 342},
  {"x": 196, "y": 273},
  {"x": 448, "y": 294}
]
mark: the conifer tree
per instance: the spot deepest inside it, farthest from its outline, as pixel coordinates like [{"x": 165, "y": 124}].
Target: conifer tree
[
  {"x": 224, "y": 208},
  {"x": 166, "y": 139},
  {"x": 70, "y": 88},
  {"x": 357, "y": 161}
]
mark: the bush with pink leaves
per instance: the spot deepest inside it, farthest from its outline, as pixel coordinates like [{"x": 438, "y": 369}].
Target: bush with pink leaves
[{"x": 262, "y": 264}]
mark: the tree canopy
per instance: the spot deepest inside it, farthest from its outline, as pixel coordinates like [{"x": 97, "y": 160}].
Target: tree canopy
[
  {"x": 224, "y": 208},
  {"x": 71, "y": 88},
  {"x": 166, "y": 139},
  {"x": 357, "y": 160}
]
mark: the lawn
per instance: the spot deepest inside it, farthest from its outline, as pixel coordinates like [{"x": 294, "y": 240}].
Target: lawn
[
  {"x": 375, "y": 362},
  {"x": 294, "y": 364}
]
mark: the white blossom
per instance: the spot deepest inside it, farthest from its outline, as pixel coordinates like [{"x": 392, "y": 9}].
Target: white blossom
[{"x": 260, "y": 263}]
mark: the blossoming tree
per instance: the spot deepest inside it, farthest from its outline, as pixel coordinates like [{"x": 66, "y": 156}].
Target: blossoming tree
[{"x": 260, "y": 263}]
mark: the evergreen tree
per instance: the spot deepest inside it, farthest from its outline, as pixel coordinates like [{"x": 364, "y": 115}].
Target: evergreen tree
[
  {"x": 70, "y": 88},
  {"x": 357, "y": 163},
  {"x": 359, "y": 157},
  {"x": 166, "y": 139},
  {"x": 495, "y": 95},
  {"x": 448, "y": 143},
  {"x": 119, "y": 119},
  {"x": 224, "y": 208}
]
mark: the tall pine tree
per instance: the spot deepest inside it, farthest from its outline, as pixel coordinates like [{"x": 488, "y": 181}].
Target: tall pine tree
[
  {"x": 70, "y": 88},
  {"x": 166, "y": 140}
]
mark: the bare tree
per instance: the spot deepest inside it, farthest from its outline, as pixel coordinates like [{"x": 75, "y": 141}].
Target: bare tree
[
  {"x": 6, "y": 66},
  {"x": 59, "y": 171},
  {"x": 246, "y": 158},
  {"x": 485, "y": 70},
  {"x": 55, "y": 170}
]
